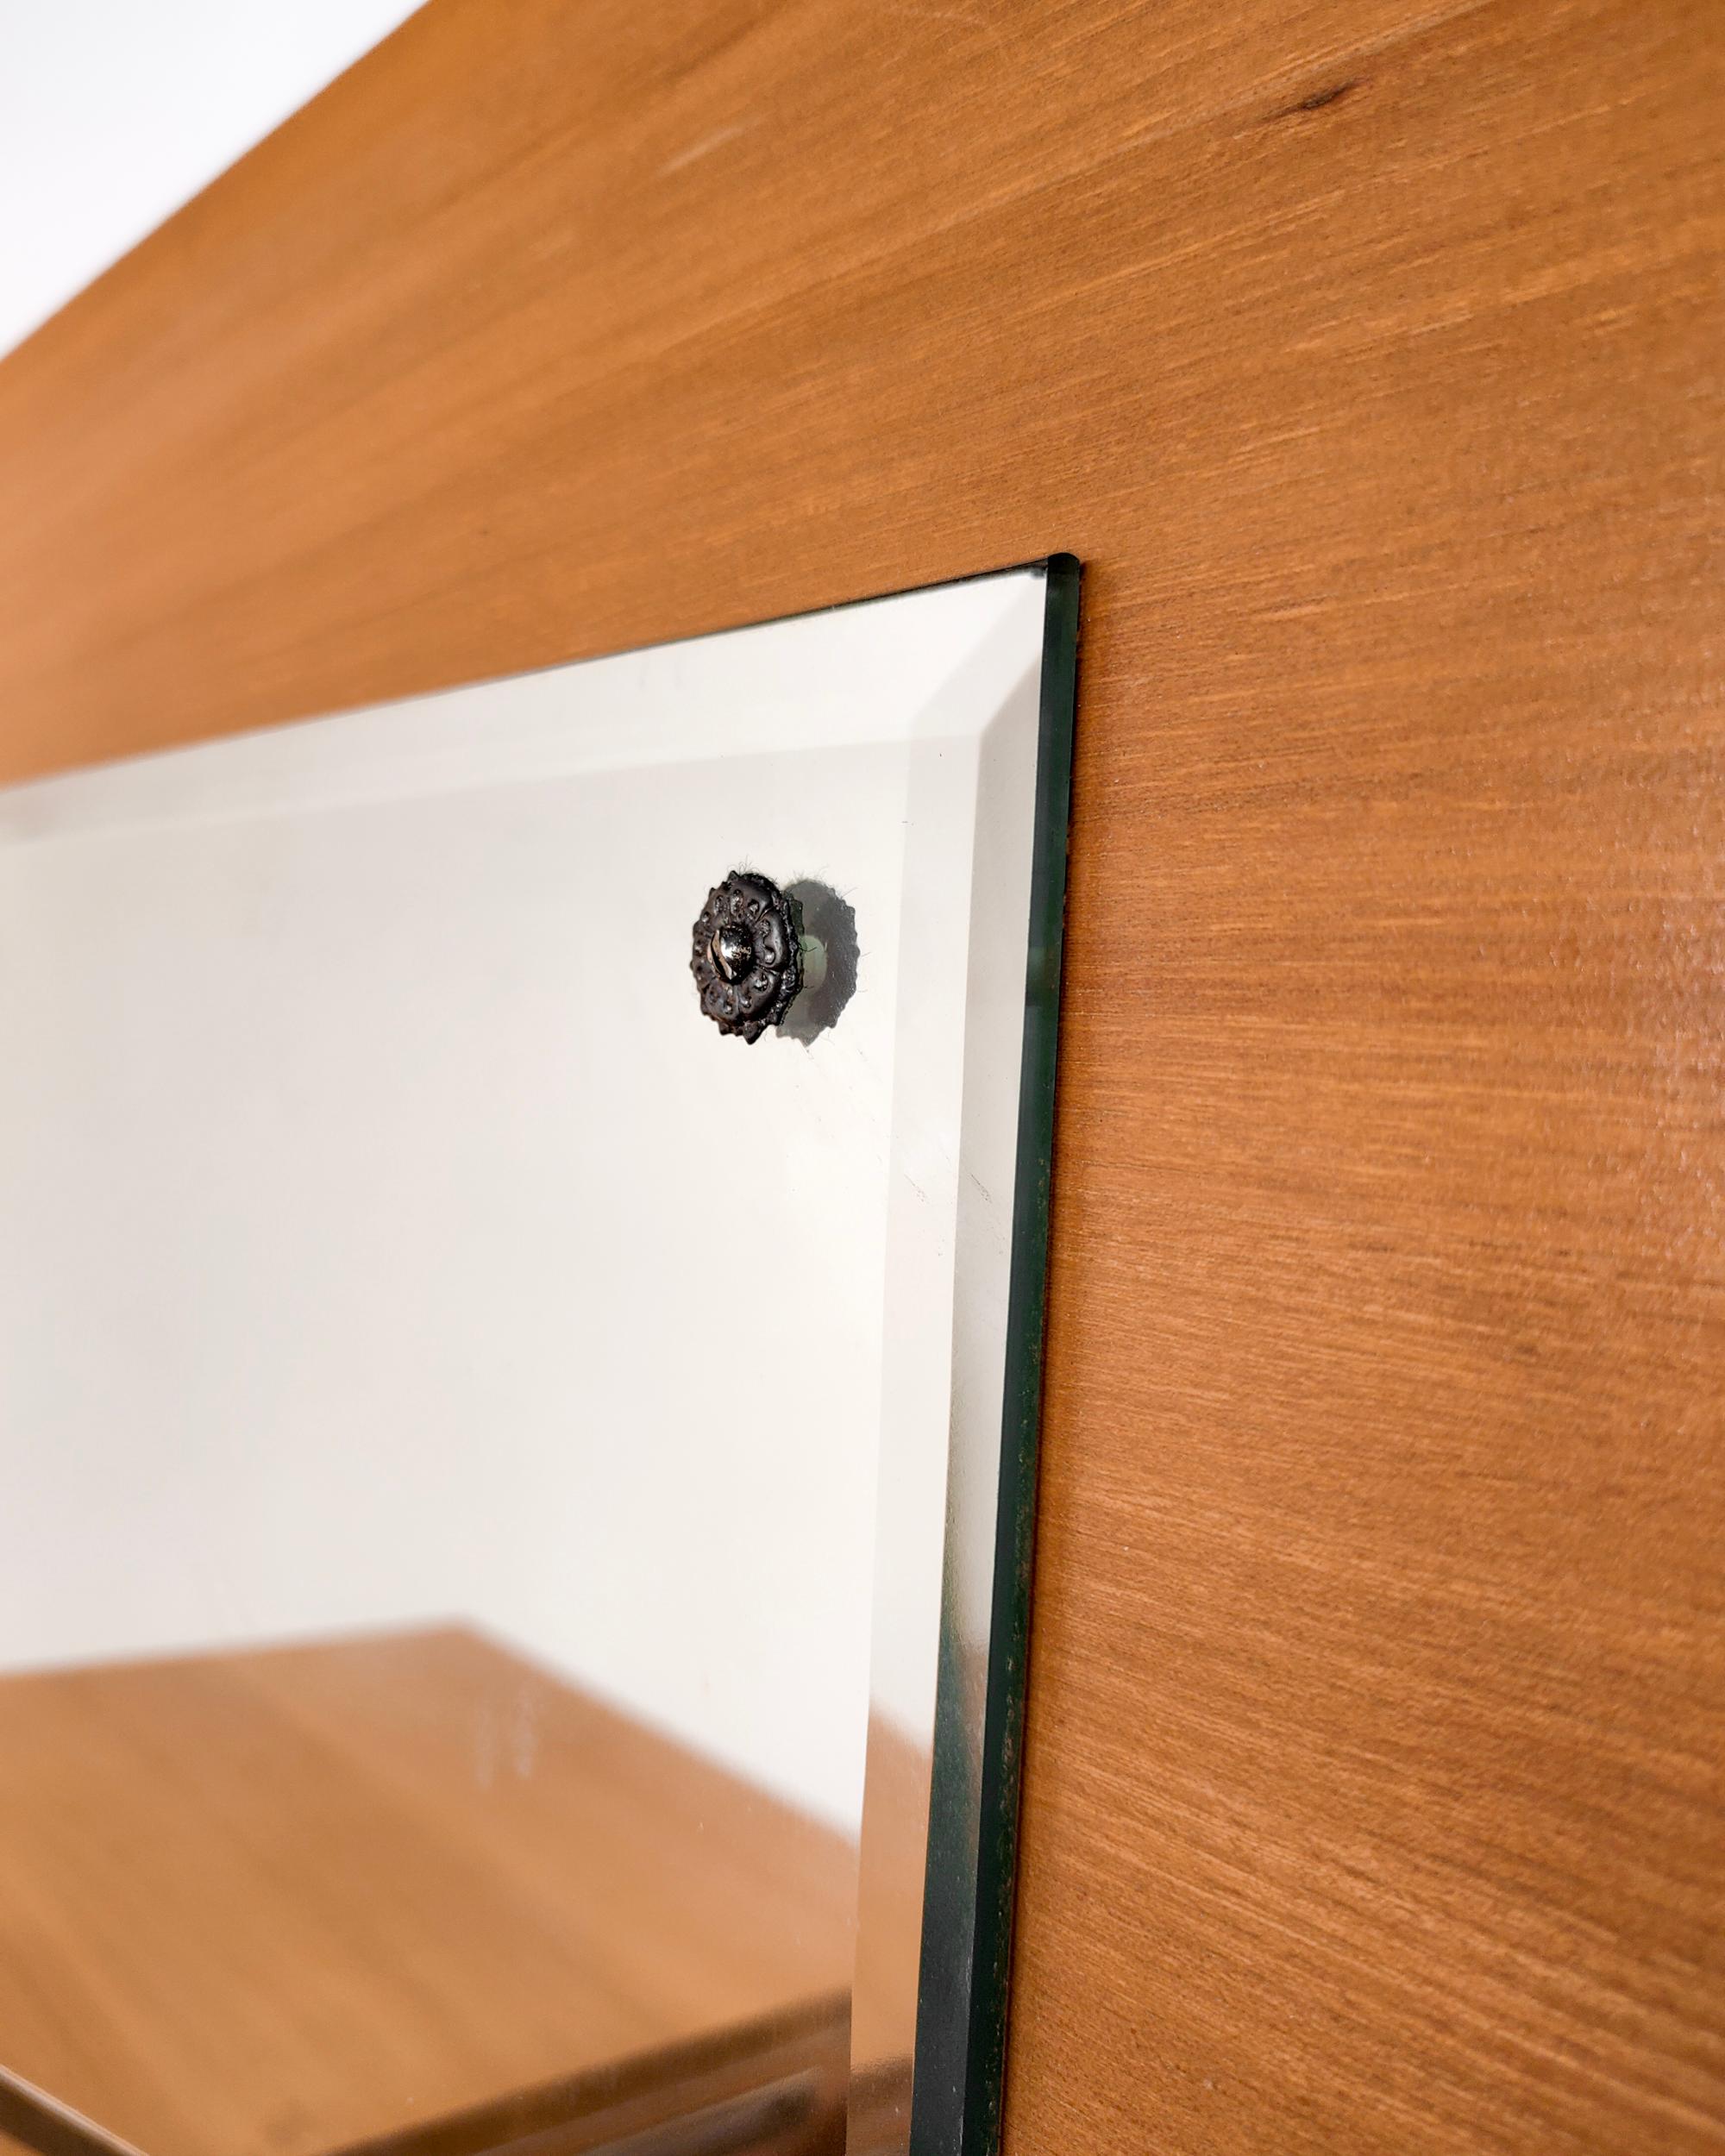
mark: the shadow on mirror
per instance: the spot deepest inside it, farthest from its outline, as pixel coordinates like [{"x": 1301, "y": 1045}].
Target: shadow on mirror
[{"x": 831, "y": 920}]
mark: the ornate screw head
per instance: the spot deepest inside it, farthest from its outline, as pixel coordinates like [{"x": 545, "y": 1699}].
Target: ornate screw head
[{"x": 746, "y": 958}]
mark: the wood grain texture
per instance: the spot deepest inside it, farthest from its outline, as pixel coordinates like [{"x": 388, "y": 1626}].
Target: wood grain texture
[
  {"x": 271, "y": 1903},
  {"x": 1369, "y": 352}
]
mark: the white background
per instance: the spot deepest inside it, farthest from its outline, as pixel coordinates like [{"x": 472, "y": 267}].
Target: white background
[{"x": 113, "y": 113}]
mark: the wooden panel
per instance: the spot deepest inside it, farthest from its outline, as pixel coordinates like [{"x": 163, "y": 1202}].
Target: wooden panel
[
  {"x": 1368, "y": 352},
  {"x": 284, "y": 1901}
]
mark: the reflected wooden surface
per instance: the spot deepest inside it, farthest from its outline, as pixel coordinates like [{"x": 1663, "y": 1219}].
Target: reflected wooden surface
[
  {"x": 367, "y": 1894},
  {"x": 776, "y": 2087}
]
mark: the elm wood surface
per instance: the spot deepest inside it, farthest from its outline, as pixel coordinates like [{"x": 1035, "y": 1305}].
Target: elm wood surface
[
  {"x": 271, "y": 1903},
  {"x": 1369, "y": 354}
]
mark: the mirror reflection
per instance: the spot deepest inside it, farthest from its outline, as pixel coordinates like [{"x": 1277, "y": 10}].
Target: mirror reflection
[{"x": 442, "y": 1383}]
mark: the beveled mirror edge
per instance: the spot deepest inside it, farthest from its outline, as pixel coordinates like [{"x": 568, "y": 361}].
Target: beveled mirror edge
[
  {"x": 971, "y": 1849},
  {"x": 1021, "y": 1423}
]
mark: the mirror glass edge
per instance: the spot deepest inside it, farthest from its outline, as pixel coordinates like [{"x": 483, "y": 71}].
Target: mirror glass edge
[{"x": 972, "y": 1845}]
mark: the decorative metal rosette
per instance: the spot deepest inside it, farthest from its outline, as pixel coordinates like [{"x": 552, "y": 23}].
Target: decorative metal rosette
[{"x": 747, "y": 959}]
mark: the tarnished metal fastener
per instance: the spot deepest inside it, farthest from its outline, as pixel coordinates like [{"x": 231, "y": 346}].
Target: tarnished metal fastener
[{"x": 749, "y": 959}]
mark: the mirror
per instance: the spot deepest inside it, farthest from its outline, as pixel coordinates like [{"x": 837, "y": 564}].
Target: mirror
[{"x": 517, "y": 1499}]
